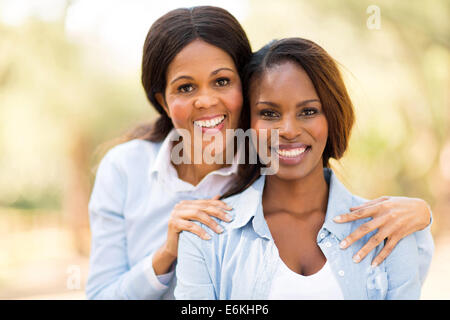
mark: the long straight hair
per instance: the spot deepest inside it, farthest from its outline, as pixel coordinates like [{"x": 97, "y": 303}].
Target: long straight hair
[
  {"x": 167, "y": 37},
  {"x": 328, "y": 83}
]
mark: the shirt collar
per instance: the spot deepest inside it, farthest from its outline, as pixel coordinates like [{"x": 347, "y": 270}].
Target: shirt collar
[
  {"x": 162, "y": 164},
  {"x": 339, "y": 201},
  {"x": 249, "y": 203}
]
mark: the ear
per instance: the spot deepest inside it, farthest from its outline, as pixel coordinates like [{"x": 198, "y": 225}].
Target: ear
[{"x": 162, "y": 101}]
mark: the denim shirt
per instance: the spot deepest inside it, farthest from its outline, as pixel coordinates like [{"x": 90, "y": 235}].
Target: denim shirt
[{"x": 241, "y": 262}]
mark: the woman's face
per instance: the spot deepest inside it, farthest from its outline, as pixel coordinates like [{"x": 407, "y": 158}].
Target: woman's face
[
  {"x": 203, "y": 92},
  {"x": 285, "y": 99}
]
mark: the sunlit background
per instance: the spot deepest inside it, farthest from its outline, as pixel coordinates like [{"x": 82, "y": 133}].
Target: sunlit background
[{"x": 70, "y": 84}]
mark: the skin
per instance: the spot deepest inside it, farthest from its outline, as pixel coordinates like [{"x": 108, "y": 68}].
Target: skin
[
  {"x": 202, "y": 80},
  {"x": 295, "y": 199}
]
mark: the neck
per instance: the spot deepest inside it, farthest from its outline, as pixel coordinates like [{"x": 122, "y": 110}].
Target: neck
[
  {"x": 194, "y": 173},
  {"x": 300, "y": 197}
]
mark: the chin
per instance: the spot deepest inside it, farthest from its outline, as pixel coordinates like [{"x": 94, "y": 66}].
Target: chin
[{"x": 290, "y": 173}]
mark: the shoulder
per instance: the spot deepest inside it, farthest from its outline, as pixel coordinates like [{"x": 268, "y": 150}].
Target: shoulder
[
  {"x": 131, "y": 153},
  {"x": 357, "y": 200}
]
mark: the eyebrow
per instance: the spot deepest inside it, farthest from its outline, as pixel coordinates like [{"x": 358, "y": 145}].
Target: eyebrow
[
  {"x": 212, "y": 74},
  {"x": 300, "y": 104}
]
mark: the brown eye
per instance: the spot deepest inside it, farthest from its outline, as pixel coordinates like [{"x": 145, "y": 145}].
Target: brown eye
[
  {"x": 268, "y": 114},
  {"x": 185, "y": 88},
  {"x": 222, "y": 82},
  {"x": 309, "y": 112}
]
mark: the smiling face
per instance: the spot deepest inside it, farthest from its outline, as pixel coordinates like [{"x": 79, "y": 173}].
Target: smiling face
[
  {"x": 284, "y": 98},
  {"x": 203, "y": 91}
]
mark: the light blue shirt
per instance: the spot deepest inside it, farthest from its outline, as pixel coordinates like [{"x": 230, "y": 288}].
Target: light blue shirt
[
  {"x": 135, "y": 191},
  {"x": 241, "y": 262}
]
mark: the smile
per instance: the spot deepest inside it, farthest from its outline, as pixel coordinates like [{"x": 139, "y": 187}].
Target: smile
[
  {"x": 291, "y": 153},
  {"x": 210, "y": 123}
]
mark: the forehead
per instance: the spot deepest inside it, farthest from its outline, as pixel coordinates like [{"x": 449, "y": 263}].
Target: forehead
[
  {"x": 287, "y": 80},
  {"x": 199, "y": 55}
]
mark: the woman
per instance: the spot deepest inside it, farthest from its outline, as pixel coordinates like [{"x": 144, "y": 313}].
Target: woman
[
  {"x": 192, "y": 65},
  {"x": 283, "y": 242}
]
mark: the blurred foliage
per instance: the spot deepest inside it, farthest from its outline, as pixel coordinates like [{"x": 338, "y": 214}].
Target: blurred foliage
[
  {"x": 58, "y": 101},
  {"x": 51, "y": 96}
]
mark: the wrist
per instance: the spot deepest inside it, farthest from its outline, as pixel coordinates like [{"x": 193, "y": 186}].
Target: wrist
[
  {"x": 163, "y": 260},
  {"x": 429, "y": 214}
]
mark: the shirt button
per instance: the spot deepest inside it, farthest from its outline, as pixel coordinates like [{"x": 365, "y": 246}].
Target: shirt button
[
  {"x": 322, "y": 235},
  {"x": 328, "y": 244},
  {"x": 341, "y": 273}
]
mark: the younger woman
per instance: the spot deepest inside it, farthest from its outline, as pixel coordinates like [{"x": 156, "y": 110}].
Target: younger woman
[{"x": 284, "y": 242}]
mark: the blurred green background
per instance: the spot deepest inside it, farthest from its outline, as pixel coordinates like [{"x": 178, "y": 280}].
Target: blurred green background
[{"x": 70, "y": 86}]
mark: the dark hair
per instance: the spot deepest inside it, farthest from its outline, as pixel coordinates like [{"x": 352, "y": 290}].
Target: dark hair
[
  {"x": 168, "y": 36},
  {"x": 327, "y": 80}
]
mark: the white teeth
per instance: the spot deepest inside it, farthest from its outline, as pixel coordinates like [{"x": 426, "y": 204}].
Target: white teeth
[
  {"x": 209, "y": 123},
  {"x": 292, "y": 152}
]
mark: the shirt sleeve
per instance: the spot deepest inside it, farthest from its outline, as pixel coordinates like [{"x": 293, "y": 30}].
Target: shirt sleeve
[
  {"x": 110, "y": 275},
  {"x": 402, "y": 267},
  {"x": 193, "y": 280},
  {"x": 425, "y": 245}
]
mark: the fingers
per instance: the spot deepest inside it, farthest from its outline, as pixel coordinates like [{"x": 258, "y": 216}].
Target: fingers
[
  {"x": 373, "y": 242},
  {"x": 356, "y": 215},
  {"x": 203, "y": 217},
  {"x": 187, "y": 211},
  {"x": 361, "y": 232},
  {"x": 386, "y": 251},
  {"x": 370, "y": 203},
  {"x": 211, "y": 210},
  {"x": 213, "y": 202},
  {"x": 194, "y": 228}
]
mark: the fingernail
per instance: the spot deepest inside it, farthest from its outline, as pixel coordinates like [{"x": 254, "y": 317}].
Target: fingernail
[
  {"x": 374, "y": 265},
  {"x": 337, "y": 218},
  {"x": 219, "y": 229},
  {"x": 343, "y": 244},
  {"x": 207, "y": 236},
  {"x": 356, "y": 258},
  {"x": 228, "y": 217}
]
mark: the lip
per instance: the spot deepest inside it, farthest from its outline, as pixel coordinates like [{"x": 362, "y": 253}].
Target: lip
[
  {"x": 292, "y": 160},
  {"x": 215, "y": 129},
  {"x": 210, "y": 117},
  {"x": 292, "y": 146}
]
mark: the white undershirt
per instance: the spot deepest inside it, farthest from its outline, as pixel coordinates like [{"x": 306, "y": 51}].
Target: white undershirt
[{"x": 288, "y": 285}]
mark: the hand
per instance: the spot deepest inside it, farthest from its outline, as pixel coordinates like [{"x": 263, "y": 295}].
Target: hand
[
  {"x": 394, "y": 217},
  {"x": 186, "y": 211}
]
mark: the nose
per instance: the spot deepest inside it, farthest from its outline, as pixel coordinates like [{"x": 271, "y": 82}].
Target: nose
[
  {"x": 290, "y": 128},
  {"x": 205, "y": 100}
]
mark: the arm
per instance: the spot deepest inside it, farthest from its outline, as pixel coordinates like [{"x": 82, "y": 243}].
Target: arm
[
  {"x": 395, "y": 218},
  {"x": 110, "y": 276},
  {"x": 193, "y": 278}
]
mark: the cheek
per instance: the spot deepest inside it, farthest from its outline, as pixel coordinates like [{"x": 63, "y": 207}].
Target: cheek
[
  {"x": 233, "y": 102},
  {"x": 263, "y": 129},
  {"x": 180, "y": 112},
  {"x": 319, "y": 130}
]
